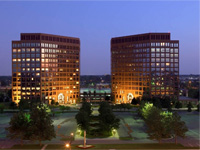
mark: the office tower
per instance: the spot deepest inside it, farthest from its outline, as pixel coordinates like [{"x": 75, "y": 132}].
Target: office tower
[
  {"x": 46, "y": 67},
  {"x": 144, "y": 64}
]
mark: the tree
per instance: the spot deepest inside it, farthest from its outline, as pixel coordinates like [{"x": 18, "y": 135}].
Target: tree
[
  {"x": 193, "y": 93},
  {"x": 19, "y": 127},
  {"x": 2, "y": 108},
  {"x": 9, "y": 93},
  {"x": 156, "y": 102},
  {"x": 178, "y": 105},
  {"x": 23, "y": 104},
  {"x": 34, "y": 103},
  {"x": 2, "y": 97},
  {"x": 166, "y": 102},
  {"x": 198, "y": 107},
  {"x": 155, "y": 125},
  {"x": 112, "y": 98},
  {"x": 108, "y": 121},
  {"x": 94, "y": 93},
  {"x": 13, "y": 105},
  {"x": 107, "y": 98},
  {"x": 189, "y": 106},
  {"x": 86, "y": 107},
  {"x": 146, "y": 109},
  {"x": 84, "y": 99},
  {"x": 134, "y": 101},
  {"x": 178, "y": 127},
  {"x": 53, "y": 102},
  {"x": 41, "y": 125},
  {"x": 83, "y": 118}
]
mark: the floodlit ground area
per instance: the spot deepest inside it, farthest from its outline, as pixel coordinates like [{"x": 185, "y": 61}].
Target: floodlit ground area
[
  {"x": 4, "y": 122},
  {"x": 132, "y": 129}
]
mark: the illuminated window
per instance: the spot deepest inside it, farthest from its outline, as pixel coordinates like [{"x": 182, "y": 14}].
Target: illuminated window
[
  {"x": 32, "y": 50},
  {"x": 14, "y": 60},
  {"x": 167, "y": 64},
  {"x": 27, "y": 49},
  {"x": 157, "y": 44},
  {"x": 162, "y": 49},
  {"x": 175, "y": 50},
  {"x": 42, "y": 44},
  {"x": 175, "y": 55},
  {"x": 162, "y": 44},
  {"x": 157, "y": 49},
  {"x": 152, "y": 49}
]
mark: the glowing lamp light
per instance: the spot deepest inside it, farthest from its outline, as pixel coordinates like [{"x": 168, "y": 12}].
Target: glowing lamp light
[{"x": 67, "y": 145}]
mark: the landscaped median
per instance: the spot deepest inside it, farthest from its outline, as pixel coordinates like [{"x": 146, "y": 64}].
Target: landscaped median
[{"x": 111, "y": 146}]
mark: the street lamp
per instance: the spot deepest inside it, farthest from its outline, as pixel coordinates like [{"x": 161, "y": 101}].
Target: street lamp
[
  {"x": 68, "y": 146},
  {"x": 114, "y": 131}
]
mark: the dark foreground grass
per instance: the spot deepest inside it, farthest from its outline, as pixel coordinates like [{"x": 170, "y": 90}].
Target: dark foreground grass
[
  {"x": 27, "y": 146},
  {"x": 108, "y": 146},
  {"x": 127, "y": 146}
]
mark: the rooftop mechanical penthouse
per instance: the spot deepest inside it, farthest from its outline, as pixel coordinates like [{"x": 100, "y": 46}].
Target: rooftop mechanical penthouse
[
  {"x": 144, "y": 64},
  {"x": 46, "y": 67}
]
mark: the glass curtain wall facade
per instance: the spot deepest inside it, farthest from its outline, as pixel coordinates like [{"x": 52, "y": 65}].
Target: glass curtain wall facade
[
  {"x": 144, "y": 64},
  {"x": 46, "y": 67}
]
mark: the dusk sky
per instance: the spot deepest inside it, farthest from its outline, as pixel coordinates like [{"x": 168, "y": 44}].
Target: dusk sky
[{"x": 95, "y": 23}]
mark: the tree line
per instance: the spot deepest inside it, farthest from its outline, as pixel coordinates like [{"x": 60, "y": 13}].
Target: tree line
[
  {"x": 34, "y": 125},
  {"x": 162, "y": 124}
]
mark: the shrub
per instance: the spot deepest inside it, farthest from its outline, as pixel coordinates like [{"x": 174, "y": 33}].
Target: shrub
[
  {"x": 198, "y": 107},
  {"x": 13, "y": 105},
  {"x": 52, "y": 102},
  {"x": 178, "y": 105},
  {"x": 2, "y": 107},
  {"x": 189, "y": 106}
]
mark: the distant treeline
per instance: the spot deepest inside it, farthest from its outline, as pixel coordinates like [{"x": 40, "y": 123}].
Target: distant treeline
[{"x": 5, "y": 80}]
